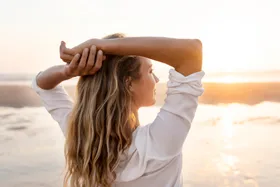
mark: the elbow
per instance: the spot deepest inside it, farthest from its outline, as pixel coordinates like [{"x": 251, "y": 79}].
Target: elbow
[
  {"x": 191, "y": 56},
  {"x": 192, "y": 47},
  {"x": 197, "y": 51},
  {"x": 197, "y": 43},
  {"x": 198, "y": 54}
]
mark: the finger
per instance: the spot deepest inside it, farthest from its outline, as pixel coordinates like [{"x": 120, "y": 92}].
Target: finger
[
  {"x": 72, "y": 67},
  {"x": 83, "y": 61},
  {"x": 62, "y": 46},
  {"x": 64, "y": 50},
  {"x": 98, "y": 63},
  {"x": 66, "y": 58},
  {"x": 69, "y": 51},
  {"x": 75, "y": 61},
  {"x": 91, "y": 58}
]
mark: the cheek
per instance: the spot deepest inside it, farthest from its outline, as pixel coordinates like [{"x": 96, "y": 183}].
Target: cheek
[
  {"x": 144, "y": 90},
  {"x": 150, "y": 87},
  {"x": 152, "y": 82}
]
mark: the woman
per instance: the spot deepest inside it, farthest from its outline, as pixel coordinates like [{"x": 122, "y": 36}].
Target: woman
[{"x": 105, "y": 146}]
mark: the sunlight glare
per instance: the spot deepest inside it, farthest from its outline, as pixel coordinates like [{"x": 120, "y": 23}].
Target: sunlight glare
[
  {"x": 227, "y": 163},
  {"x": 227, "y": 123},
  {"x": 231, "y": 79}
]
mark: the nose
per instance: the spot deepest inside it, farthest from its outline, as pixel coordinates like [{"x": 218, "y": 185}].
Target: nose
[{"x": 156, "y": 78}]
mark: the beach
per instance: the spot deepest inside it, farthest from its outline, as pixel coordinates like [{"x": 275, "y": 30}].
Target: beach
[
  {"x": 234, "y": 140},
  {"x": 230, "y": 144}
]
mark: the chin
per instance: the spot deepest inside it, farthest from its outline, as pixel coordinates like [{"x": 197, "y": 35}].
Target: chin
[{"x": 152, "y": 103}]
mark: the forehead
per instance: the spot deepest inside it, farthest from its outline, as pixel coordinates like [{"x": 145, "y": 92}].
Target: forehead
[{"x": 146, "y": 63}]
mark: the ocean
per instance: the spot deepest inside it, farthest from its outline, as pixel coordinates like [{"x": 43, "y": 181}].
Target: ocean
[{"x": 230, "y": 144}]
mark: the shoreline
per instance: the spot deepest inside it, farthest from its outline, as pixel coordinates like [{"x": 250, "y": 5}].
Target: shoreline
[{"x": 18, "y": 96}]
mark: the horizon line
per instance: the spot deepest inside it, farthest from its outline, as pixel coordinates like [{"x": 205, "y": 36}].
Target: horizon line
[{"x": 209, "y": 72}]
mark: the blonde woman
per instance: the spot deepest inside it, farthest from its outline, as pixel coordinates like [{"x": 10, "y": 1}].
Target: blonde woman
[{"x": 105, "y": 144}]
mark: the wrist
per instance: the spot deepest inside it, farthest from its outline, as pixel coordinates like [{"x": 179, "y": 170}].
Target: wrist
[
  {"x": 108, "y": 46},
  {"x": 64, "y": 74},
  {"x": 99, "y": 43}
]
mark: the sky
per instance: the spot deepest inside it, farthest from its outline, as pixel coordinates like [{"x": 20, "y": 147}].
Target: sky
[{"x": 237, "y": 35}]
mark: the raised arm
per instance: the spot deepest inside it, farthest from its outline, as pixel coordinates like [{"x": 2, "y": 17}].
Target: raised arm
[
  {"x": 55, "y": 99},
  {"x": 185, "y": 55},
  {"x": 166, "y": 135},
  {"x": 85, "y": 65}
]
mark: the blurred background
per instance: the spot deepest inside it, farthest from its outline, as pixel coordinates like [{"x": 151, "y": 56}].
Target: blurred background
[{"x": 234, "y": 140}]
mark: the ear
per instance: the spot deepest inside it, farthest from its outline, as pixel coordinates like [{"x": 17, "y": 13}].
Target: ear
[
  {"x": 128, "y": 83},
  {"x": 131, "y": 88}
]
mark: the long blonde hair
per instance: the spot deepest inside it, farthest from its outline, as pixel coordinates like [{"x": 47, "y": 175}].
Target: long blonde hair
[{"x": 100, "y": 126}]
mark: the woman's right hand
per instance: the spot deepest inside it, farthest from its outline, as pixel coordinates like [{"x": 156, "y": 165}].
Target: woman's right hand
[
  {"x": 67, "y": 54},
  {"x": 87, "y": 64}
]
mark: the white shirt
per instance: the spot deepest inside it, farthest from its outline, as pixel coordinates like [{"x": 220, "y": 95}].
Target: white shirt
[{"x": 155, "y": 155}]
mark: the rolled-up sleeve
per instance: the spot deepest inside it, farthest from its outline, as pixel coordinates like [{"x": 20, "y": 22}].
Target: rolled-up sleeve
[
  {"x": 56, "y": 101},
  {"x": 165, "y": 136}
]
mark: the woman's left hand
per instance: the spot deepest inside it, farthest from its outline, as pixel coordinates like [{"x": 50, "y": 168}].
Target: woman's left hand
[{"x": 88, "y": 64}]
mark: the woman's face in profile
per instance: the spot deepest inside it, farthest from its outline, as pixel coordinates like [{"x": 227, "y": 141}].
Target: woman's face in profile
[{"x": 144, "y": 89}]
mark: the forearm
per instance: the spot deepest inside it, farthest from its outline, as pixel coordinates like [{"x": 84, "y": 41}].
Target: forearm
[
  {"x": 171, "y": 51},
  {"x": 51, "y": 77}
]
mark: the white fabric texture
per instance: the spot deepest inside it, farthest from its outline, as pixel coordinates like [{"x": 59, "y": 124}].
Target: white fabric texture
[{"x": 155, "y": 156}]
